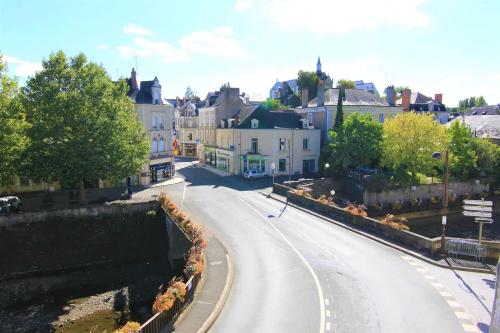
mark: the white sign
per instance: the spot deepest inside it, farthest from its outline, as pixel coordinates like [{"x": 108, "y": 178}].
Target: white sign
[
  {"x": 478, "y": 202},
  {"x": 443, "y": 221},
  {"x": 483, "y": 220},
  {"x": 273, "y": 165},
  {"x": 478, "y": 208},
  {"x": 476, "y": 214}
]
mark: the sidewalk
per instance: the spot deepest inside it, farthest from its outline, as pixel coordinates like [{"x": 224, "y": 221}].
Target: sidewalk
[
  {"x": 212, "y": 292},
  {"x": 218, "y": 172},
  {"x": 440, "y": 262}
]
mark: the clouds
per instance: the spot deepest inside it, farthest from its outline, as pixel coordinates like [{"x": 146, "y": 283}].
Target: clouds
[
  {"x": 22, "y": 67},
  {"x": 338, "y": 16},
  {"x": 133, "y": 29},
  {"x": 218, "y": 43}
]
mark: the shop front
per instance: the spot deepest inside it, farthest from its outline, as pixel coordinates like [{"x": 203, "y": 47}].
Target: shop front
[
  {"x": 189, "y": 149},
  {"x": 253, "y": 162},
  {"x": 224, "y": 158},
  {"x": 209, "y": 156}
]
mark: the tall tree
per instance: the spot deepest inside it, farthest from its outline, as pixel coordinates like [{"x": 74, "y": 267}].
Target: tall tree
[
  {"x": 12, "y": 127},
  {"x": 189, "y": 92},
  {"x": 339, "y": 117},
  {"x": 409, "y": 141},
  {"x": 359, "y": 143},
  {"x": 463, "y": 157},
  {"x": 310, "y": 81},
  {"x": 273, "y": 104},
  {"x": 470, "y": 102},
  {"x": 83, "y": 126},
  {"x": 346, "y": 84}
]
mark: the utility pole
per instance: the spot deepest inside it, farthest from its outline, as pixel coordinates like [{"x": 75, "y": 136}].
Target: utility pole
[
  {"x": 445, "y": 203},
  {"x": 289, "y": 161}
]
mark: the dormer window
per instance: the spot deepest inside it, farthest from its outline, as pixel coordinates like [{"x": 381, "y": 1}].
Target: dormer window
[
  {"x": 230, "y": 122},
  {"x": 222, "y": 123},
  {"x": 255, "y": 123},
  {"x": 305, "y": 123}
]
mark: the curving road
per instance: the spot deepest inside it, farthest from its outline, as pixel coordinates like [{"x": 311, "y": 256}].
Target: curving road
[{"x": 299, "y": 273}]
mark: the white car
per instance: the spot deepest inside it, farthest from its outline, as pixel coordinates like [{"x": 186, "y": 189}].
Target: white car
[{"x": 253, "y": 174}]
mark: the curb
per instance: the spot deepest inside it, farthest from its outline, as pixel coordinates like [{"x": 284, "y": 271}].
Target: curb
[
  {"x": 223, "y": 298},
  {"x": 381, "y": 241}
]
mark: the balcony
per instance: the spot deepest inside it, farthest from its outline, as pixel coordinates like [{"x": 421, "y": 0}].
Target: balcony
[{"x": 254, "y": 151}]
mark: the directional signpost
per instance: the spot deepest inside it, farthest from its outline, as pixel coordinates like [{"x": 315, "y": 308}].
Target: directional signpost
[{"x": 482, "y": 212}]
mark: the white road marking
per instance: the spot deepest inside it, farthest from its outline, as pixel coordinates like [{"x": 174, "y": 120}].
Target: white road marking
[
  {"x": 327, "y": 302},
  {"x": 445, "y": 294},
  {"x": 218, "y": 262},
  {"x": 183, "y": 194},
  {"x": 413, "y": 263},
  {"x": 429, "y": 277},
  {"x": 437, "y": 285},
  {"x": 453, "y": 304},
  {"x": 462, "y": 315},
  {"x": 315, "y": 277},
  {"x": 421, "y": 270},
  {"x": 328, "y": 313},
  {"x": 327, "y": 325}
]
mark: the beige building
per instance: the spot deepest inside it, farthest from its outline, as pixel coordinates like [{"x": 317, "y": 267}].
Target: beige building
[
  {"x": 187, "y": 130},
  {"x": 263, "y": 140},
  {"x": 157, "y": 118}
]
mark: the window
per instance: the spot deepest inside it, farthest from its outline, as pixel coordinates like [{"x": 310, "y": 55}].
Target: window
[
  {"x": 282, "y": 165},
  {"x": 161, "y": 145},
  {"x": 255, "y": 123},
  {"x": 282, "y": 144},
  {"x": 160, "y": 122},
  {"x": 381, "y": 117},
  {"x": 154, "y": 147},
  {"x": 305, "y": 144},
  {"x": 310, "y": 117},
  {"x": 255, "y": 146},
  {"x": 190, "y": 136},
  {"x": 155, "y": 122}
]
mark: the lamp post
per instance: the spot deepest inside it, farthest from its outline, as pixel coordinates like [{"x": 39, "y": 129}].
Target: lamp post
[{"x": 437, "y": 155}]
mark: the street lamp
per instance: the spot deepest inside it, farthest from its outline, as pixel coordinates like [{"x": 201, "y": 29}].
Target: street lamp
[{"x": 437, "y": 155}]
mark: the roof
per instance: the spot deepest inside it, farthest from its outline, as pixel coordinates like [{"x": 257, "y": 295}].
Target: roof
[
  {"x": 352, "y": 97},
  {"x": 483, "y": 110},
  {"x": 417, "y": 98},
  {"x": 188, "y": 106},
  {"x": 487, "y": 126},
  {"x": 272, "y": 119}
]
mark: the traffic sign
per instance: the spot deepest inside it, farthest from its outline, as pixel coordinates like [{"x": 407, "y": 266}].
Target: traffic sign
[
  {"x": 478, "y": 202},
  {"x": 478, "y": 208},
  {"x": 483, "y": 220},
  {"x": 476, "y": 214},
  {"x": 273, "y": 166}
]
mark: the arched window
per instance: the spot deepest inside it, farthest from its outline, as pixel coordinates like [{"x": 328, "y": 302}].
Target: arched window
[
  {"x": 155, "y": 146},
  {"x": 162, "y": 144}
]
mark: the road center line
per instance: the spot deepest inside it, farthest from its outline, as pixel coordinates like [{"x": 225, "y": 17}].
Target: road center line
[{"x": 315, "y": 277}]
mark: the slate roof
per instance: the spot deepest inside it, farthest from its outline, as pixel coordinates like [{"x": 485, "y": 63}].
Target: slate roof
[
  {"x": 272, "y": 119},
  {"x": 416, "y": 98},
  {"x": 183, "y": 110},
  {"x": 487, "y": 126},
  {"x": 483, "y": 110},
  {"x": 352, "y": 97}
]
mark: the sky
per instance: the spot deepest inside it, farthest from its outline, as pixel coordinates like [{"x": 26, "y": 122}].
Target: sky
[{"x": 432, "y": 46}]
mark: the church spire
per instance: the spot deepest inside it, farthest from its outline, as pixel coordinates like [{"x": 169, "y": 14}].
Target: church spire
[{"x": 318, "y": 66}]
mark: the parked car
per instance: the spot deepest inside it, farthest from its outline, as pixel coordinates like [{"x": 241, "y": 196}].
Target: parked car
[
  {"x": 10, "y": 204},
  {"x": 250, "y": 174}
]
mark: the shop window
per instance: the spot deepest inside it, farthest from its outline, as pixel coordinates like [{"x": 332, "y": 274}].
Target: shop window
[
  {"x": 282, "y": 144},
  {"x": 190, "y": 136}
]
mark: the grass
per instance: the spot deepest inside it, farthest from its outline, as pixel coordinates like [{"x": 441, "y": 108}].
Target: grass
[
  {"x": 98, "y": 322},
  {"x": 426, "y": 180}
]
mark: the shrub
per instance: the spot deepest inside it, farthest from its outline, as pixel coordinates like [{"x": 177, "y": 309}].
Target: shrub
[
  {"x": 356, "y": 210},
  {"x": 398, "y": 223},
  {"x": 164, "y": 302},
  {"x": 301, "y": 193},
  {"x": 326, "y": 201},
  {"x": 129, "y": 327}
]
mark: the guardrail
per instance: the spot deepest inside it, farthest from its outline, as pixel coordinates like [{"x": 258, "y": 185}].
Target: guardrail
[
  {"x": 163, "y": 321},
  {"x": 458, "y": 247}
]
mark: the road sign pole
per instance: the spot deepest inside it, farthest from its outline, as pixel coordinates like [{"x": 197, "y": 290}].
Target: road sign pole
[{"x": 480, "y": 232}]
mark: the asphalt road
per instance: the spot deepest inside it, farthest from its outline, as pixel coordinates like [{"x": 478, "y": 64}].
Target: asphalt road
[{"x": 298, "y": 273}]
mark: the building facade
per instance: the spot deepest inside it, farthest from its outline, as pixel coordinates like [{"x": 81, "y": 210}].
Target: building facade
[
  {"x": 157, "y": 118},
  {"x": 187, "y": 129}
]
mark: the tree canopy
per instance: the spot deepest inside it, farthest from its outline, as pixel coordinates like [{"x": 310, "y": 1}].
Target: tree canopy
[
  {"x": 339, "y": 116},
  {"x": 346, "y": 84},
  {"x": 273, "y": 104},
  {"x": 359, "y": 143},
  {"x": 470, "y": 102},
  {"x": 310, "y": 81},
  {"x": 83, "y": 126},
  {"x": 410, "y": 139},
  {"x": 12, "y": 127}
]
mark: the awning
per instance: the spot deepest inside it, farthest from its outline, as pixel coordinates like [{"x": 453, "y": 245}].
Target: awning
[{"x": 254, "y": 157}]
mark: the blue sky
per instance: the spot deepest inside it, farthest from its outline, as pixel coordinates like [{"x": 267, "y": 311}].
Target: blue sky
[{"x": 433, "y": 46}]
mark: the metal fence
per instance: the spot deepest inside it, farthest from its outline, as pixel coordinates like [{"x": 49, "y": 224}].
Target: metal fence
[
  {"x": 164, "y": 321},
  {"x": 457, "y": 247}
]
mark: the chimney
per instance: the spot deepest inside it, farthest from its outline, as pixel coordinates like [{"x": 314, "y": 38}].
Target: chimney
[
  {"x": 133, "y": 79},
  {"x": 232, "y": 95},
  {"x": 439, "y": 98},
  {"x": 321, "y": 93},
  {"x": 305, "y": 97},
  {"x": 177, "y": 102},
  {"x": 406, "y": 96},
  {"x": 390, "y": 95}
]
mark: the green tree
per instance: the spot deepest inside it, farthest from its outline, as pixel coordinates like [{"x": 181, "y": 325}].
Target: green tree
[
  {"x": 463, "y": 157},
  {"x": 83, "y": 126},
  {"x": 359, "y": 143},
  {"x": 409, "y": 141},
  {"x": 189, "y": 93},
  {"x": 224, "y": 86},
  {"x": 346, "y": 84},
  {"x": 13, "y": 125},
  {"x": 470, "y": 102},
  {"x": 339, "y": 117},
  {"x": 273, "y": 104},
  {"x": 488, "y": 158},
  {"x": 309, "y": 80}
]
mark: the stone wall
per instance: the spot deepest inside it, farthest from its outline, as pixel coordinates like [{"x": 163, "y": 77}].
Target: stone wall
[
  {"x": 45, "y": 253},
  {"x": 424, "y": 192}
]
